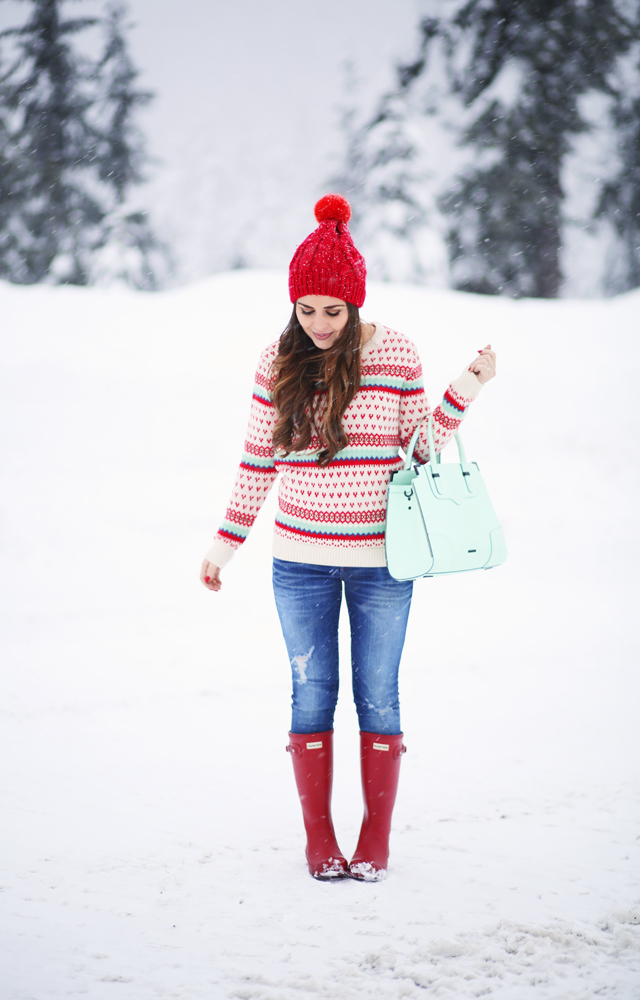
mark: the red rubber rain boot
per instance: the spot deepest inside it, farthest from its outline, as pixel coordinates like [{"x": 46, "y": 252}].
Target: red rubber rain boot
[
  {"x": 380, "y": 766},
  {"x": 312, "y": 756}
]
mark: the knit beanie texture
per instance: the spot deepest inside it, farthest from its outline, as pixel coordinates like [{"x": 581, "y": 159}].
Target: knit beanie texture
[{"x": 327, "y": 262}]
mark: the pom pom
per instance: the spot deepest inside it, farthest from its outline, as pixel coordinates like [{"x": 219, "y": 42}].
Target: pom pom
[{"x": 333, "y": 208}]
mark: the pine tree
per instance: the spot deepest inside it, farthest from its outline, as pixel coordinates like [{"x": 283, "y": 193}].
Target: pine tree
[
  {"x": 619, "y": 202},
  {"x": 496, "y": 99},
  {"x": 130, "y": 251},
  {"x": 55, "y": 218},
  {"x": 74, "y": 154},
  {"x": 390, "y": 173},
  {"x": 121, "y": 149},
  {"x": 9, "y": 176},
  {"x": 506, "y": 209}
]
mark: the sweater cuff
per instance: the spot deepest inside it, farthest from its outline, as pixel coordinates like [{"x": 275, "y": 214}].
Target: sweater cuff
[
  {"x": 220, "y": 553},
  {"x": 467, "y": 385}
]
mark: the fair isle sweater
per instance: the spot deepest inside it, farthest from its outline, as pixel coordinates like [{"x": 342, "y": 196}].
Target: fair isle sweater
[{"x": 335, "y": 516}]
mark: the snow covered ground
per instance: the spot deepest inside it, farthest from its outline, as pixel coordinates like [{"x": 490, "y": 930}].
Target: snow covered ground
[{"x": 151, "y": 841}]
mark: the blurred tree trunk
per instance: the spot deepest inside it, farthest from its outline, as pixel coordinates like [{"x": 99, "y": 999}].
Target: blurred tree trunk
[{"x": 619, "y": 203}]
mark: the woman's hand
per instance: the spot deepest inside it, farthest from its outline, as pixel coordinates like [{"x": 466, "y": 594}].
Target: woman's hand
[
  {"x": 210, "y": 576},
  {"x": 485, "y": 365}
]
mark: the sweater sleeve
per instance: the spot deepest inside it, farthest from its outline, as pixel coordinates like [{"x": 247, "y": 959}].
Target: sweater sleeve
[
  {"x": 447, "y": 417},
  {"x": 256, "y": 474}
]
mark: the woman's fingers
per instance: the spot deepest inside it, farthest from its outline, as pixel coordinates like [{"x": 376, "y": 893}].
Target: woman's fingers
[
  {"x": 210, "y": 575},
  {"x": 484, "y": 366},
  {"x": 486, "y": 352}
]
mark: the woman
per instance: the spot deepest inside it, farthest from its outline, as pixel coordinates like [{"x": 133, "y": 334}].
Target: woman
[{"x": 334, "y": 399}]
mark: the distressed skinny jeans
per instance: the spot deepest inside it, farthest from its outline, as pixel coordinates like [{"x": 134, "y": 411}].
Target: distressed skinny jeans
[{"x": 308, "y": 599}]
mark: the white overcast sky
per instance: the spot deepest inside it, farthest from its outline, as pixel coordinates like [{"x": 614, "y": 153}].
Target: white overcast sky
[{"x": 246, "y": 91}]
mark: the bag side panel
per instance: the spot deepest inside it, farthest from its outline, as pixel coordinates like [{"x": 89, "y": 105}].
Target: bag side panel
[{"x": 407, "y": 546}]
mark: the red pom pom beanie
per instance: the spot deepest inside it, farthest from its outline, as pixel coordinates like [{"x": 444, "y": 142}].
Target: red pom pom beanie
[{"x": 327, "y": 263}]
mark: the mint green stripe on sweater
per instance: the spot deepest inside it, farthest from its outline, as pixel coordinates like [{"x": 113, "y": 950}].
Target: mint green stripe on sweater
[
  {"x": 239, "y": 531},
  {"x": 352, "y": 454},
  {"x": 367, "y": 451},
  {"x": 384, "y": 381},
  {"x": 257, "y": 461},
  {"x": 365, "y": 526},
  {"x": 452, "y": 411},
  {"x": 262, "y": 395}
]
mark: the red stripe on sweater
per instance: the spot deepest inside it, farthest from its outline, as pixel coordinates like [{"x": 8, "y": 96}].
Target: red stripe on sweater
[
  {"x": 263, "y": 451},
  {"x": 312, "y": 463},
  {"x": 231, "y": 536},
  {"x": 265, "y": 402},
  {"x": 454, "y": 402},
  {"x": 329, "y": 535},
  {"x": 399, "y": 371},
  {"x": 400, "y": 391},
  {"x": 332, "y": 516},
  {"x": 237, "y": 517},
  {"x": 256, "y": 468}
]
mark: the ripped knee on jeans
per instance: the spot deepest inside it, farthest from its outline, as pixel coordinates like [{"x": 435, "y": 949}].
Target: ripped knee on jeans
[{"x": 299, "y": 663}]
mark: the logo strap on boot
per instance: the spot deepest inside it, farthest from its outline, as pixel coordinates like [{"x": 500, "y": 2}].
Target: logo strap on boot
[
  {"x": 296, "y": 749},
  {"x": 398, "y": 751}
]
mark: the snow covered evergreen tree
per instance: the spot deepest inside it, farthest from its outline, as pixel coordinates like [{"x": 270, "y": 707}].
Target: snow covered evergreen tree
[
  {"x": 458, "y": 177},
  {"x": 8, "y": 173},
  {"x": 506, "y": 210},
  {"x": 55, "y": 216},
  {"x": 130, "y": 251},
  {"x": 395, "y": 164},
  {"x": 71, "y": 155},
  {"x": 619, "y": 203},
  {"x": 121, "y": 149}
]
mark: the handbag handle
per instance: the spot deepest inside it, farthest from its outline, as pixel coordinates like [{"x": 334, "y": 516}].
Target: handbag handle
[{"x": 433, "y": 458}]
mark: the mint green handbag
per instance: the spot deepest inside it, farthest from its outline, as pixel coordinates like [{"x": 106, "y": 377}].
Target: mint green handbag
[{"x": 440, "y": 518}]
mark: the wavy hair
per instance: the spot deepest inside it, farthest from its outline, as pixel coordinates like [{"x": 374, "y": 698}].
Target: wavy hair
[{"x": 313, "y": 387}]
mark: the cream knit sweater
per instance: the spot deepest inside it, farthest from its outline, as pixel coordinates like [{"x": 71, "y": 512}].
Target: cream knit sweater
[{"x": 335, "y": 516}]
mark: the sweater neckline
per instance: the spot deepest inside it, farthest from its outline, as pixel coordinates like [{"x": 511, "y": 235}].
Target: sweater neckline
[{"x": 376, "y": 340}]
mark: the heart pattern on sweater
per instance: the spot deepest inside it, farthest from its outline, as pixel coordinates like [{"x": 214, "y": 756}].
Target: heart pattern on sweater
[{"x": 343, "y": 504}]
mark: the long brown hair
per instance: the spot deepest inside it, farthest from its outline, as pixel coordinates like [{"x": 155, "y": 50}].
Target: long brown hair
[{"x": 313, "y": 387}]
